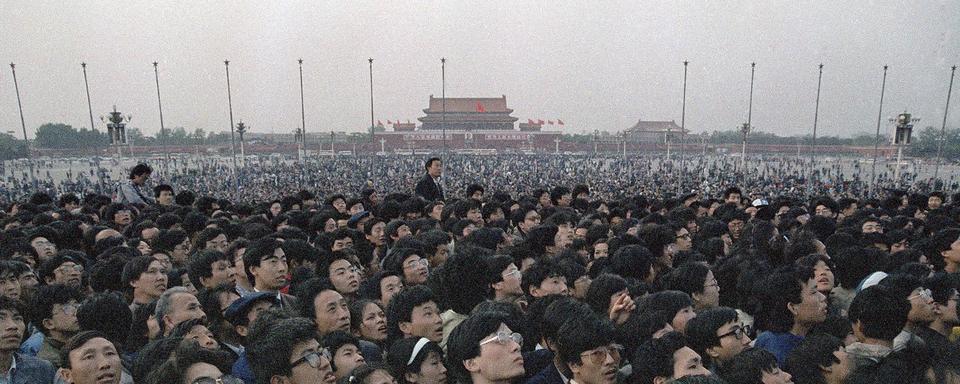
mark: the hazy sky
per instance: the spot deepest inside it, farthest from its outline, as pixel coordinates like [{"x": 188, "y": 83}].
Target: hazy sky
[{"x": 594, "y": 64}]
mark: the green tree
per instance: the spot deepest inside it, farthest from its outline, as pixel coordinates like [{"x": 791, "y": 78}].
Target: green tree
[{"x": 11, "y": 148}]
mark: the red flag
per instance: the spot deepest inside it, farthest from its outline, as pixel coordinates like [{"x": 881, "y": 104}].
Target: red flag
[
  {"x": 530, "y": 121},
  {"x": 389, "y": 122},
  {"x": 480, "y": 107},
  {"x": 540, "y": 122},
  {"x": 550, "y": 122},
  {"x": 559, "y": 122}
]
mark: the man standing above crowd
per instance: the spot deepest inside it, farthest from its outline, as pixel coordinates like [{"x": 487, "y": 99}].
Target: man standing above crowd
[
  {"x": 130, "y": 191},
  {"x": 429, "y": 186}
]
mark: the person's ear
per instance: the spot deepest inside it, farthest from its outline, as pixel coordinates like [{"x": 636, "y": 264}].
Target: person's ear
[
  {"x": 66, "y": 375},
  {"x": 696, "y": 297},
  {"x": 50, "y": 280},
  {"x": 203, "y": 280},
  {"x": 241, "y": 330},
  {"x": 792, "y": 308},
  {"x": 47, "y": 323},
  {"x": 411, "y": 377},
  {"x": 405, "y": 327},
  {"x": 660, "y": 380},
  {"x": 497, "y": 286},
  {"x": 472, "y": 365},
  {"x": 167, "y": 324},
  {"x": 535, "y": 291},
  {"x": 713, "y": 352},
  {"x": 575, "y": 368},
  {"x": 277, "y": 379}
]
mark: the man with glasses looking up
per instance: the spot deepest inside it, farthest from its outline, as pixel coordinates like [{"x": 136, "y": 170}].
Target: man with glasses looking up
[
  {"x": 288, "y": 352},
  {"x": 717, "y": 335},
  {"x": 921, "y": 307},
  {"x": 586, "y": 345},
  {"x": 483, "y": 350},
  {"x": 55, "y": 314}
]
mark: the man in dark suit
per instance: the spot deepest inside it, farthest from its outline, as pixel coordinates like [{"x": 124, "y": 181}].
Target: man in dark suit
[{"x": 429, "y": 185}]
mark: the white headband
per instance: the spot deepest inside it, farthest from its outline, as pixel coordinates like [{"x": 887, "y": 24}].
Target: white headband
[{"x": 417, "y": 348}]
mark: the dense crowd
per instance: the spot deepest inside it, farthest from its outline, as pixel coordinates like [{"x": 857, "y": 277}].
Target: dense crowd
[
  {"x": 506, "y": 269},
  {"x": 610, "y": 176}
]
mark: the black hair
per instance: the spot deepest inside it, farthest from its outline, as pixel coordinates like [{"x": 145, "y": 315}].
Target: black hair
[
  {"x": 399, "y": 354},
  {"x": 939, "y": 242},
  {"x": 632, "y": 261},
  {"x": 108, "y": 313},
  {"x": 46, "y": 297},
  {"x": 370, "y": 287},
  {"x": 307, "y": 293},
  {"x": 559, "y": 312},
  {"x": 774, "y": 292},
  {"x": 335, "y": 340},
  {"x": 400, "y": 308},
  {"x": 600, "y": 291},
  {"x": 747, "y": 367},
  {"x": 537, "y": 273},
  {"x": 806, "y": 362},
  {"x": 655, "y": 358},
  {"x": 429, "y": 162},
  {"x": 201, "y": 265},
  {"x": 140, "y": 169},
  {"x": 465, "y": 276},
  {"x": 880, "y": 311},
  {"x": 670, "y": 301},
  {"x": 161, "y": 188},
  {"x": 688, "y": 278},
  {"x": 77, "y": 341},
  {"x": 256, "y": 252},
  {"x": 581, "y": 334},
  {"x": 269, "y": 355},
  {"x": 464, "y": 342},
  {"x": 702, "y": 330}
]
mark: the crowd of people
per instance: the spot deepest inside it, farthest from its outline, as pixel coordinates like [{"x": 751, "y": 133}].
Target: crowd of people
[
  {"x": 507, "y": 270},
  {"x": 611, "y": 176}
]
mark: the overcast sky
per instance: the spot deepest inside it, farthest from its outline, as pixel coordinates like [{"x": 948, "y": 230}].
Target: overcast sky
[{"x": 594, "y": 64}]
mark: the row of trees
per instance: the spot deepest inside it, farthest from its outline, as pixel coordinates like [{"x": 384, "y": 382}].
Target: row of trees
[{"x": 63, "y": 136}]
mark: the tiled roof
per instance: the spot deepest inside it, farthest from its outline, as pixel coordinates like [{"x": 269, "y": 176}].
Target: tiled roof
[
  {"x": 655, "y": 126},
  {"x": 469, "y": 104}
]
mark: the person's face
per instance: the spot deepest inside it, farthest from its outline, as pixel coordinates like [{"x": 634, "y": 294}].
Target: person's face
[
  {"x": 544, "y": 200},
  {"x": 330, "y": 225},
  {"x": 344, "y": 276},
  {"x": 12, "y": 326},
  {"x": 425, "y": 321},
  {"x": 776, "y": 376},
  {"x": 601, "y": 250},
  {"x": 496, "y": 215},
  {"x": 10, "y": 286},
  {"x": 180, "y": 252},
  {"x": 222, "y": 273},
  {"x": 564, "y": 235},
  {"x": 921, "y": 306},
  {"x": 218, "y": 243},
  {"x": 380, "y": 376},
  {"x": 64, "y": 318},
  {"x": 435, "y": 169},
  {"x": 28, "y": 282},
  {"x": 340, "y": 205},
  {"x": 356, "y": 208},
  {"x": 580, "y": 287},
  {"x": 565, "y": 200},
  {"x": 733, "y": 198},
  {"x": 684, "y": 241},
  {"x": 271, "y": 275},
  {"x": 440, "y": 256},
  {"x": 44, "y": 247},
  {"x": 686, "y": 362},
  {"x": 496, "y": 361},
  {"x": 376, "y": 234},
  {"x": 812, "y": 308},
  {"x": 838, "y": 371},
  {"x": 948, "y": 312},
  {"x": 96, "y": 361},
  {"x": 346, "y": 359},
  {"x": 201, "y": 370},
  {"x": 532, "y": 219},
  {"x": 331, "y": 312},
  {"x": 306, "y": 369},
  {"x": 341, "y": 244},
  {"x": 437, "y": 212},
  {"x": 374, "y": 325},
  {"x": 711, "y": 293},
  {"x": 203, "y": 336},
  {"x": 389, "y": 286},
  {"x": 825, "y": 211},
  {"x": 952, "y": 255},
  {"x": 475, "y": 216},
  {"x": 598, "y": 365},
  {"x": 733, "y": 340},
  {"x": 680, "y": 319},
  {"x": 151, "y": 282},
  {"x": 934, "y": 202},
  {"x": 432, "y": 371},
  {"x": 184, "y": 306},
  {"x": 510, "y": 286},
  {"x": 403, "y": 231},
  {"x": 275, "y": 209},
  {"x": 477, "y": 195},
  {"x": 824, "y": 276},
  {"x": 165, "y": 198},
  {"x": 122, "y": 217},
  {"x": 871, "y": 227},
  {"x": 68, "y": 273},
  {"x": 553, "y": 285},
  {"x": 736, "y": 228},
  {"x": 415, "y": 270}
]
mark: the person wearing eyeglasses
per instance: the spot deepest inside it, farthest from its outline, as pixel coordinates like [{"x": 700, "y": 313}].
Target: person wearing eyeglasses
[
  {"x": 484, "y": 350},
  {"x": 504, "y": 278},
  {"x": 409, "y": 264},
  {"x": 55, "y": 315},
  {"x": 586, "y": 345},
  {"x": 287, "y": 351},
  {"x": 65, "y": 268},
  {"x": 717, "y": 335},
  {"x": 936, "y": 335},
  {"x": 89, "y": 357},
  {"x": 921, "y": 307}
]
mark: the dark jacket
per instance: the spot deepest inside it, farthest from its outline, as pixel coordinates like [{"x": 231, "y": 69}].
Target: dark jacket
[
  {"x": 32, "y": 370},
  {"x": 428, "y": 189},
  {"x": 549, "y": 375}
]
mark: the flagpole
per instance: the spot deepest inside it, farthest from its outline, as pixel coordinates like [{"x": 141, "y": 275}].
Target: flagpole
[
  {"x": 23, "y": 124},
  {"x": 233, "y": 145},
  {"x": 943, "y": 128},
  {"x": 683, "y": 116},
  {"x": 813, "y": 145},
  {"x": 876, "y": 143},
  {"x": 370, "y": 60},
  {"x": 303, "y": 116},
  {"x": 163, "y": 140},
  {"x": 443, "y": 101}
]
